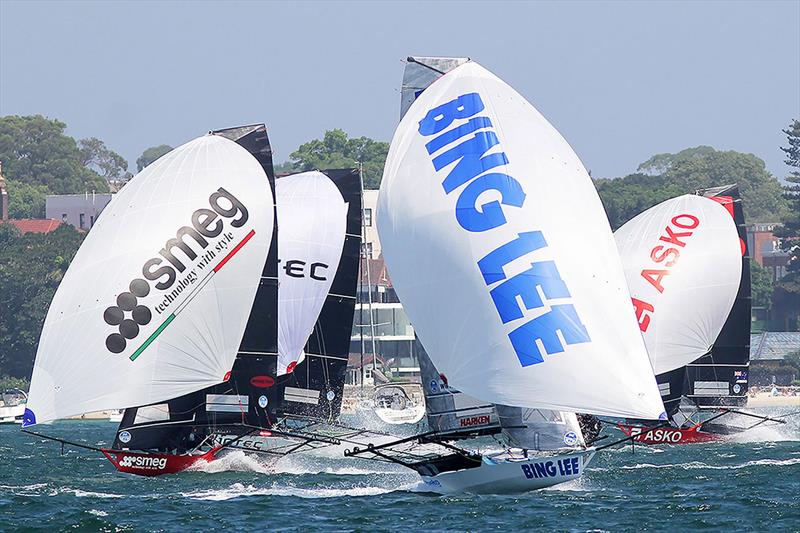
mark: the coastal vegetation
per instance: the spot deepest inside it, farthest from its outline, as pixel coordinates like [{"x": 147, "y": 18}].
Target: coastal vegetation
[{"x": 39, "y": 158}]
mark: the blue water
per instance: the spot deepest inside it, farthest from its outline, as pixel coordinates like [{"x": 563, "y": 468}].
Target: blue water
[{"x": 752, "y": 484}]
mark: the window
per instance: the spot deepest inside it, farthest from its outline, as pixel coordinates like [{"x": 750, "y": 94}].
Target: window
[
  {"x": 91, "y": 221},
  {"x": 366, "y": 250},
  {"x": 368, "y": 217},
  {"x": 83, "y": 220},
  {"x": 63, "y": 217}
]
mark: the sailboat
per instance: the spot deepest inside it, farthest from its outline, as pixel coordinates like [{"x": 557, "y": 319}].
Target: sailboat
[
  {"x": 516, "y": 302},
  {"x": 170, "y": 304},
  {"x": 207, "y": 379},
  {"x": 688, "y": 269},
  {"x": 526, "y": 428}
]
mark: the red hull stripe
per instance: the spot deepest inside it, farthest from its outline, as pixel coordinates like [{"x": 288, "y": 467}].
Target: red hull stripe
[{"x": 235, "y": 249}]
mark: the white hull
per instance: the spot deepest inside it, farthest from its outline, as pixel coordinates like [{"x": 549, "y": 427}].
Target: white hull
[
  {"x": 9, "y": 414},
  {"x": 409, "y": 415},
  {"x": 500, "y": 475}
]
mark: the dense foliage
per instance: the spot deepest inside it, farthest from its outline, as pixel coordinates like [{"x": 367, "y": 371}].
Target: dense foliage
[
  {"x": 39, "y": 159},
  {"x": 760, "y": 284},
  {"x": 665, "y": 176},
  {"x": 31, "y": 267},
  {"x": 336, "y": 150},
  {"x": 150, "y": 155}
]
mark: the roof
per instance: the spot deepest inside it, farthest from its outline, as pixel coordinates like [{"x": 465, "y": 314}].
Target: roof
[
  {"x": 34, "y": 225},
  {"x": 773, "y": 345},
  {"x": 354, "y": 360}
]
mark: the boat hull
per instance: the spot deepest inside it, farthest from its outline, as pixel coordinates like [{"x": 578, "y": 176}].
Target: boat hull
[
  {"x": 155, "y": 464},
  {"x": 510, "y": 476},
  {"x": 668, "y": 435}
]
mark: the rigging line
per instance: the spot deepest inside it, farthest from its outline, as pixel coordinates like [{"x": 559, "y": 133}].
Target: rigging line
[
  {"x": 629, "y": 438},
  {"x": 63, "y": 441}
]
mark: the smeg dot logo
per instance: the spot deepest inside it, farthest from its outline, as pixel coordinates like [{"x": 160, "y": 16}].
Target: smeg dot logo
[
  {"x": 128, "y": 315},
  {"x": 173, "y": 269}
]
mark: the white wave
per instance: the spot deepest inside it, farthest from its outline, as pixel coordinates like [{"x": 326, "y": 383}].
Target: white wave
[
  {"x": 238, "y": 490},
  {"x": 83, "y": 493},
  {"x": 97, "y": 512},
  {"x": 697, "y": 465},
  {"x": 236, "y": 461}
]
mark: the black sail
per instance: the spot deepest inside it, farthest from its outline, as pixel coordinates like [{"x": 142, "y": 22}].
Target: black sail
[
  {"x": 324, "y": 368},
  {"x": 719, "y": 377},
  {"x": 239, "y": 403}
]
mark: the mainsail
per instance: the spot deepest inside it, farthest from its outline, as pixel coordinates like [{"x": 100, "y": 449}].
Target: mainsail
[
  {"x": 157, "y": 299},
  {"x": 473, "y": 223},
  {"x": 315, "y": 386}
]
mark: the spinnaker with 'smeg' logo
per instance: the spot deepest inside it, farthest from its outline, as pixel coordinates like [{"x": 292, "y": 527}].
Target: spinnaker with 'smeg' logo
[
  {"x": 517, "y": 300},
  {"x": 156, "y": 301}
]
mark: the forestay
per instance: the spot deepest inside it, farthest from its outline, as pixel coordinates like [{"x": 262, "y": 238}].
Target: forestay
[
  {"x": 312, "y": 217},
  {"x": 683, "y": 262},
  {"x": 155, "y": 303},
  {"x": 501, "y": 252}
]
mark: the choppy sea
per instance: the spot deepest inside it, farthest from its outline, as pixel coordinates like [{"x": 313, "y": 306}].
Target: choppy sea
[{"x": 751, "y": 483}]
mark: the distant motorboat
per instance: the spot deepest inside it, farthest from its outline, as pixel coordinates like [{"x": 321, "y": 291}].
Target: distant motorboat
[
  {"x": 394, "y": 405},
  {"x": 12, "y": 406}
]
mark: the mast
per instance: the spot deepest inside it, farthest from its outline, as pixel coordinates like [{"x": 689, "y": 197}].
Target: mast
[{"x": 369, "y": 274}]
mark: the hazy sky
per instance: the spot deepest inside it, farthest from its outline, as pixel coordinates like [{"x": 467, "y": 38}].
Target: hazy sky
[{"x": 620, "y": 80}]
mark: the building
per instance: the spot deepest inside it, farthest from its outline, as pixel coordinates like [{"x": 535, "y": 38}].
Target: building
[
  {"x": 372, "y": 243},
  {"x": 765, "y": 249},
  {"x": 33, "y": 225},
  {"x": 768, "y": 358},
  {"x": 79, "y": 210}
]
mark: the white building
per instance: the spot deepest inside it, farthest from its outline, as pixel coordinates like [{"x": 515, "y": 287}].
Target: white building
[
  {"x": 79, "y": 210},
  {"x": 372, "y": 243}
]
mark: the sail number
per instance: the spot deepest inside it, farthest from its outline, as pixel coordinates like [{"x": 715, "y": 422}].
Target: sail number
[{"x": 469, "y": 167}]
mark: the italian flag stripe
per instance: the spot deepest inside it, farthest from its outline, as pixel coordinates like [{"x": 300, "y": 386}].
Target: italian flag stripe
[{"x": 191, "y": 296}]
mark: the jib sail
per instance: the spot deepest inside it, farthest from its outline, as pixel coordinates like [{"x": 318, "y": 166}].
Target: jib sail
[{"x": 150, "y": 307}]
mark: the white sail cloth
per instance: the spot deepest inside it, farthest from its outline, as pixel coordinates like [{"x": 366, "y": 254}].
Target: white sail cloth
[
  {"x": 683, "y": 262},
  {"x": 155, "y": 303},
  {"x": 312, "y": 217},
  {"x": 512, "y": 278}
]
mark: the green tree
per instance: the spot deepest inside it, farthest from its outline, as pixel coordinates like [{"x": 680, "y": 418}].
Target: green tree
[
  {"x": 664, "y": 176},
  {"x": 336, "y": 150},
  {"x": 35, "y": 151},
  {"x": 26, "y": 200},
  {"x": 151, "y": 154},
  {"x": 790, "y": 231},
  {"x": 786, "y": 297},
  {"x": 98, "y": 157},
  {"x": 31, "y": 267},
  {"x": 761, "y": 284}
]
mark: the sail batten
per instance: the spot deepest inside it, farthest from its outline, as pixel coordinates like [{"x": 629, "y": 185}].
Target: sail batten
[{"x": 516, "y": 301}]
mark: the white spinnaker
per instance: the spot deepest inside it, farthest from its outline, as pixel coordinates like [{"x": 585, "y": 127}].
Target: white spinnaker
[
  {"x": 433, "y": 261},
  {"x": 312, "y": 217},
  {"x": 75, "y": 370},
  {"x": 698, "y": 266}
]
